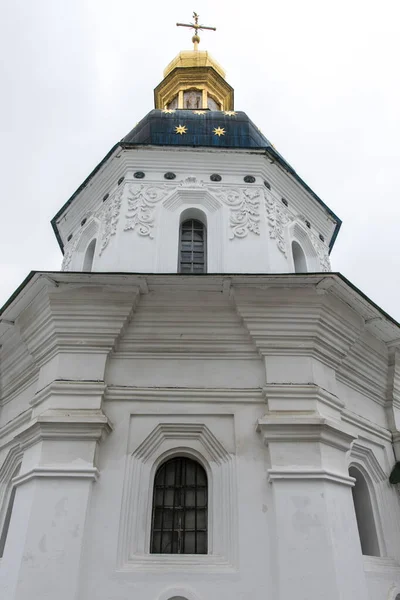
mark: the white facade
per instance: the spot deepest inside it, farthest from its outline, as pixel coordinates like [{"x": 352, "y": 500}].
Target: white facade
[
  {"x": 276, "y": 384},
  {"x": 249, "y": 228}
]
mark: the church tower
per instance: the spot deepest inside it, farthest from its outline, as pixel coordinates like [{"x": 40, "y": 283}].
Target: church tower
[
  {"x": 194, "y": 161},
  {"x": 195, "y": 407}
]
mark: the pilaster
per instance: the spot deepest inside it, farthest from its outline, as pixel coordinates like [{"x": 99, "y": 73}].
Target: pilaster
[
  {"x": 316, "y": 542},
  {"x": 44, "y": 544}
]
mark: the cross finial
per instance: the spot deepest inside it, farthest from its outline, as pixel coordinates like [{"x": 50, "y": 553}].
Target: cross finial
[{"x": 196, "y": 27}]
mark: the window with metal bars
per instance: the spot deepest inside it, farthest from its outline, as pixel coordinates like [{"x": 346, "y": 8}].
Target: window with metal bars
[
  {"x": 192, "y": 247},
  {"x": 179, "y": 522}
]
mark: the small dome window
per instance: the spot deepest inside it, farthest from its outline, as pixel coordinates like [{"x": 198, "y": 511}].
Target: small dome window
[{"x": 192, "y": 99}]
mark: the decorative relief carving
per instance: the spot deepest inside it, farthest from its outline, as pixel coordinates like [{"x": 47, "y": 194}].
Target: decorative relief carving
[
  {"x": 245, "y": 210},
  {"x": 141, "y": 201},
  {"x": 109, "y": 216},
  {"x": 68, "y": 254},
  {"x": 322, "y": 252},
  {"x": 191, "y": 182},
  {"x": 278, "y": 217}
]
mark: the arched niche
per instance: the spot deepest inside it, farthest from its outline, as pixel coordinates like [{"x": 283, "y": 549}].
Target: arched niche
[
  {"x": 89, "y": 256},
  {"x": 299, "y": 258},
  {"x": 364, "y": 513},
  {"x": 80, "y": 255},
  {"x": 303, "y": 254}
]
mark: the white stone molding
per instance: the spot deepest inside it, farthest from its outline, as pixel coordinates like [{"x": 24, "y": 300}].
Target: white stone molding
[
  {"x": 192, "y": 395},
  {"x": 142, "y": 199},
  {"x": 198, "y": 196},
  {"x": 364, "y": 460},
  {"x": 58, "y": 320},
  {"x": 297, "y": 233},
  {"x": 394, "y": 591},
  {"x": 166, "y": 440},
  {"x": 322, "y": 250},
  {"x": 303, "y": 397},
  {"x": 294, "y": 323},
  {"x": 7, "y": 469},
  {"x": 57, "y": 472},
  {"x": 244, "y": 204},
  {"x": 381, "y": 565},
  {"x": 178, "y": 593},
  {"x": 65, "y": 424},
  {"x": 278, "y": 218},
  {"x": 108, "y": 215},
  {"x": 361, "y": 456},
  {"x": 280, "y": 431}
]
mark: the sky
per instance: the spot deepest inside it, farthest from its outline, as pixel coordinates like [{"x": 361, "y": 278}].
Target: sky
[{"x": 321, "y": 81}]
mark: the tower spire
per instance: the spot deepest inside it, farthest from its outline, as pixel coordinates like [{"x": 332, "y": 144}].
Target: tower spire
[{"x": 196, "y": 27}]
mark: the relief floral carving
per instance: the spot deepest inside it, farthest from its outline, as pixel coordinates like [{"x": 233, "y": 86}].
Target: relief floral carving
[
  {"x": 322, "y": 252},
  {"x": 68, "y": 254},
  {"x": 245, "y": 210},
  {"x": 277, "y": 218},
  {"x": 191, "y": 182},
  {"x": 109, "y": 216},
  {"x": 141, "y": 206}
]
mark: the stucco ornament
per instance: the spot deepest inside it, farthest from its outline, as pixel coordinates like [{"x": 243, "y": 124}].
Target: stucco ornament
[
  {"x": 191, "y": 182},
  {"x": 278, "y": 217},
  {"x": 68, "y": 254},
  {"x": 322, "y": 251},
  {"x": 109, "y": 216},
  {"x": 141, "y": 201},
  {"x": 245, "y": 210}
]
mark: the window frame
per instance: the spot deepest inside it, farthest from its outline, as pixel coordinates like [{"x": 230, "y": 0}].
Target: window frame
[
  {"x": 154, "y": 507},
  {"x": 8, "y": 503},
  {"x": 162, "y": 441},
  {"x": 180, "y": 241}
]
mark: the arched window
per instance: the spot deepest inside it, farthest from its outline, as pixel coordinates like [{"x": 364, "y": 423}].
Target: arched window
[
  {"x": 89, "y": 256},
  {"x": 7, "y": 518},
  {"x": 299, "y": 259},
  {"x": 179, "y": 523},
  {"x": 364, "y": 514},
  {"x": 192, "y": 247}
]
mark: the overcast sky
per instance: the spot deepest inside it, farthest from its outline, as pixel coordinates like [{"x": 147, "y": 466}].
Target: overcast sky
[{"x": 320, "y": 79}]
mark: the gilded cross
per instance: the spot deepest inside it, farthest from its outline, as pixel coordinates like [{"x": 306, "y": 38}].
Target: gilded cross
[{"x": 196, "y": 27}]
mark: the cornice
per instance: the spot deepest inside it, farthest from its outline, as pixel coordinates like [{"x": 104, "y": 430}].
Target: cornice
[
  {"x": 300, "y": 392},
  {"x": 59, "y": 424},
  {"x": 163, "y": 394},
  {"x": 13, "y": 425},
  {"x": 305, "y": 428},
  {"x": 341, "y": 288},
  {"x": 57, "y": 472},
  {"x": 62, "y": 387},
  {"x": 375, "y": 431},
  {"x": 309, "y": 475}
]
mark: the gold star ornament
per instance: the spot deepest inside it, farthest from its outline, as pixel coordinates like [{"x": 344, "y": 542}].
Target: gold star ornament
[
  {"x": 168, "y": 111},
  {"x": 230, "y": 113},
  {"x": 181, "y": 129},
  {"x": 219, "y": 131},
  {"x": 199, "y": 112}
]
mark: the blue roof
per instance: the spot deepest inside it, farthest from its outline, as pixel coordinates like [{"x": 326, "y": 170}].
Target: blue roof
[{"x": 159, "y": 128}]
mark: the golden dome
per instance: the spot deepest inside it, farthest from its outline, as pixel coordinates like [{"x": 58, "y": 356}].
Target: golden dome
[{"x": 194, "y": 80}]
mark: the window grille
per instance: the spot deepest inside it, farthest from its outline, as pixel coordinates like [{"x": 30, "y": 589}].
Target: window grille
[
  {"x": 179, "y": 522},
  {"x": 192, "y": 257}
]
